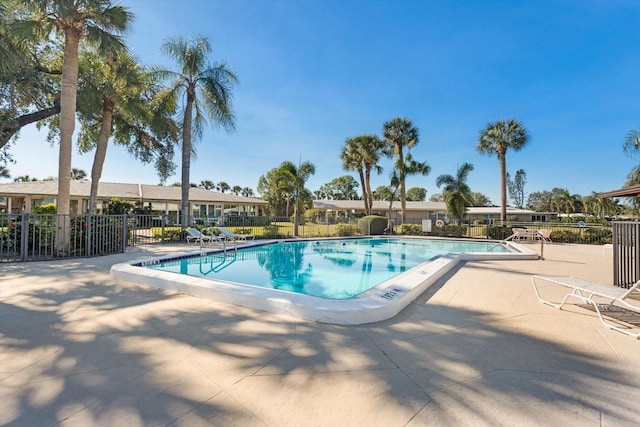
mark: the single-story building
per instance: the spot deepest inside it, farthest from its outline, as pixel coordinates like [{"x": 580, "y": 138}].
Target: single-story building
[
  {"x": 417, "y": 211},
  {"x": 206, "y": 205}
]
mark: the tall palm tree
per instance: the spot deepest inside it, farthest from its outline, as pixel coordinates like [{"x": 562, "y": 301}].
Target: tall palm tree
[
  {"x": 247, "y": 192},
  {"x": 361, "y": 154},
  {"x": 399, "y": 135},
  {"x": 496, "y": 138},
  {"x": 120, "y": 99},
  {"x": 207, "y": 92},
  {"x": 236, "y": 189},
  {"x": 99, "y": 22},
  {"x": 457, "y": 194},
  {"x": 294, "y": 180}
]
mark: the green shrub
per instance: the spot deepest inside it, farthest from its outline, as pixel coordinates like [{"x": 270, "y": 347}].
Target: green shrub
[
  {"x": 480, "y": 222},
  {"x": 372, "y": 224},
  {"x": 346, "y": 230},
  {"x": 271, "y": 231},
  {"x": 499, "y": 233},
  {"x": 595, "y": 235},
  {"x": 449, "y": 230},
  {"x": 565, "y": 236},
  {"x": 411, "y": 229},
  {"x": 48, "y": 208},
  {"x": 118, "y": 206}
]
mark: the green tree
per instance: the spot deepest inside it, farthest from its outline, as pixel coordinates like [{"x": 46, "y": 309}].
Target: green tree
[
  {"x": 456, "y": 191},
  {"x": 516, "y": 187},
  {"x": 362, "y": 154},
  {"x": 223, "y": 187},
  {"x": 399, "y": 135},
  {"x": 24, "y": 178},
  {"x": 497, "y": 138},
  {"x": 207, "y": 185},
  {"x": 564, "y": 202},
  {"x": 236, "y": 189},
  {"x": 30, "y": 69},
  {"x": 207, "y": 90},
  {"x": 341, "y": 188},
  {"x": 247, "y": 192},
  {"x": 385, "y": 193},
  {"x": 540, "y": 201},
  {"x": 479, "y": 199},
  {"x": 121, "y": 101},
  {"x": 438, "y": 197},
  {"x": 4, "y": 172},
  {"x": 78, "y": 174},
  {"x": 416, "y": 194},
  {"x": 98, "y": 22}
]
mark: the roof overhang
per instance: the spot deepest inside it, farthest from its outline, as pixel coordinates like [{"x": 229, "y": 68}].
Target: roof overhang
[{"x": 633, "y": 191}]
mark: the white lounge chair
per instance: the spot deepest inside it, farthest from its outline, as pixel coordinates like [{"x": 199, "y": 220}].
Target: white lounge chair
[
  {"x": 196, "y": 236},
  {"x": 230, "y": 235},
  {"x": 586, "y": 291},
  {"x": 545, "y": 234}
]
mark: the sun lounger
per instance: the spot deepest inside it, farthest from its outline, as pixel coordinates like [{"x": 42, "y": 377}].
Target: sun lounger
[
  {"x": 586, "y": 291},
  {"x": 230, "y": 235},
  {"x": 196, "y": 236}
]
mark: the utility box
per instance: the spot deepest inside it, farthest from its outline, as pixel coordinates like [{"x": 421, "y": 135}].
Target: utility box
[{"x": 426, "y": 226}]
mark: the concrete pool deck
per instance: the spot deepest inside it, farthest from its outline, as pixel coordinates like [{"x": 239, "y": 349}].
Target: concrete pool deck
[{"x": 79, "y": 348}]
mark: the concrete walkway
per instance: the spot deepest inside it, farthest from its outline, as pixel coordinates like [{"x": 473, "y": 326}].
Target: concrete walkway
[{"x": 78, "y": 348}]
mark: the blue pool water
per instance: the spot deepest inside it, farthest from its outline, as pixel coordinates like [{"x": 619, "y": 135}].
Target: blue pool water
[{"x": 335, "y": 269}]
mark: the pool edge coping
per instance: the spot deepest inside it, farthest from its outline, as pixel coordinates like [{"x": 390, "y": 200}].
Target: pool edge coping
[{"x": 379, "y": 303}]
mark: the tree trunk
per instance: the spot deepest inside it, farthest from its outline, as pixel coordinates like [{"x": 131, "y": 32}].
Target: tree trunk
[
  {"x": 68, "y": 94},
  {"x": 186, "y": 158},
  {"x": 10, "y": 128},
  {"x": 365, "y": 192},
  {"x": 503, "y": 187},
  {"x": 101, "y": 153}
]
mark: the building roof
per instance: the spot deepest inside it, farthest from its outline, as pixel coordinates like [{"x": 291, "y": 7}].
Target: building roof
[
  {"x": 633, "y": 191},
  {"x": 379, "y": 205},
  {"x": 109, "y": 190}
]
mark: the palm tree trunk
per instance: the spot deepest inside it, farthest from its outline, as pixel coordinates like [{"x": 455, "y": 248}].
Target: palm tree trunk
[
  {"x": 186, "y": 159},
  {"x": 366, "y": 191},
  {"x": 68, "y": 94},
  {"x": 503, "y": 188},
  {"x": 101, "y": 153}
]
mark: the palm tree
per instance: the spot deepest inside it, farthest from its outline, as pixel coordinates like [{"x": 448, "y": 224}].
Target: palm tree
[
  {"x": 399, "y": 135},
  {"x": 361, "y": 154},
  {"x": 78, "y": 174},
  {"x": 99, "y": 22},
  {"x": 222, "y": 186},
  {"x": 207, "y": 91},
  {"x": 120, "y": 99},
  {"x": 295, "y": 180},
  {"x": 457, "y": 194},
  {"x": 207, "y": 185},
  {"x": 496, "y": 138},
  {"x": 236, "y": 189},
  {"x": 247, "y": 192}
]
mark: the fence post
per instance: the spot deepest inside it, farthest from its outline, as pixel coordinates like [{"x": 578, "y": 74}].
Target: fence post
[
  {"x": 89, "y": 234},
  {"x": 24, "y": 237},
  {"x": 125, "y": 232}
]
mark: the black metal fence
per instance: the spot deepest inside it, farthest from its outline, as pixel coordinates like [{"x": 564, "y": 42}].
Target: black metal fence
[
  {"x": 626, "y": 253},
  {"x": 30, "y": 237}
]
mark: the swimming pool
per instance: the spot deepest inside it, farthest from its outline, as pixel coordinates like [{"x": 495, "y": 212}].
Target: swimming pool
[
  {"x": 381, "y": 276},
  {"x": 335, "y": 269}
]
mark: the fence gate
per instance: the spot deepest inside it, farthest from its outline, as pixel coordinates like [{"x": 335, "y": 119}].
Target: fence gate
[{"x": 626, "y": 253}]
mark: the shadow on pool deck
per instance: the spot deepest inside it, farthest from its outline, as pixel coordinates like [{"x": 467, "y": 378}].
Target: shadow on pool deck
[{"x": 79, "y": 348}]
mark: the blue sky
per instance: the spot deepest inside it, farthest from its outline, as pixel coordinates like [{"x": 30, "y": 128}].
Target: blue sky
[{"x": 313, "y": 73}]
